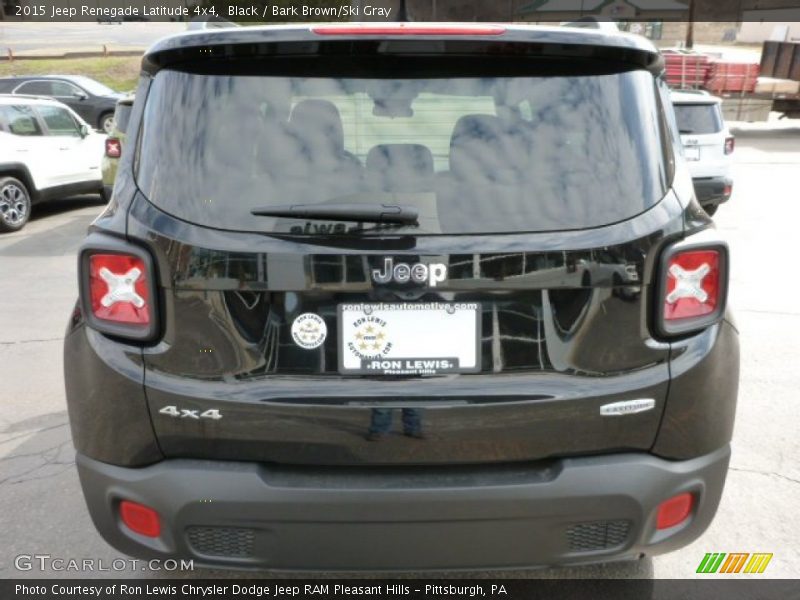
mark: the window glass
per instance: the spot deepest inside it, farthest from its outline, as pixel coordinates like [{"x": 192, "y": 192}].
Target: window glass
[
  {"x": 698, "y": 119},
  {"x": 21, "y": 120},
  {"x": 62, "y": 89},
  {"x": 121, "y": 117},
  {"x": 36, "y": 88},
  {"x": 472, "y": 154},
  {"x": 92, "y": 86},
  {"x": 59, "y": 121}
]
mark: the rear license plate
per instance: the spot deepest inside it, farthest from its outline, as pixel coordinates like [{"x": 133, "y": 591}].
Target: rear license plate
[
  {"x": 426, "y": 338},
  {"x": 692, "y": 153}
]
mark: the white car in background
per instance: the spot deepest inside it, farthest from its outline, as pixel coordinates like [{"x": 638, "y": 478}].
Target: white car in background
[
  {"x": 707, "y": 144},
  {"x": 46, "y": 151}
]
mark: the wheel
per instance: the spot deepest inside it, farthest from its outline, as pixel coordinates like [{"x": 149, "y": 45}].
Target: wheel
[
  {"x": 710, "y": 210},
  {"x": 107, "y": 123},
  {"x": 15, "y": 204}
]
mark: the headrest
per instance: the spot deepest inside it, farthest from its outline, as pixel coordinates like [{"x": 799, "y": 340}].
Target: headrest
[
  {"x": 485, "y": 147},
  {"x": 415, "y": 160},
  {"x": 401, "y": 167},
  {"x": 318, "y": 120}
]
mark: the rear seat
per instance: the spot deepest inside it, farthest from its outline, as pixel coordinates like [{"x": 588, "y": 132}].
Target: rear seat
[
  {"x": 489, "y": 162},
  {"x": 400, "y": 168}
]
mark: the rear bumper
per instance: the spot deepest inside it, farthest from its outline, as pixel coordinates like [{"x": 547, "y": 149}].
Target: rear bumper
[
  {"x": 712, "y": 190},
  {"x": 570, "y": 511}
]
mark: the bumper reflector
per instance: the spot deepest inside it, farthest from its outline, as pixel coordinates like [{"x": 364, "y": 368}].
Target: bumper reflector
[
  {"x": 674, "y": 511},
  {"x": 140, "y": 519}
]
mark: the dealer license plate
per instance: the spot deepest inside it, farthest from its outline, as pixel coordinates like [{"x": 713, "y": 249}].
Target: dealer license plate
[
  {"x": 691, "y": 153},
  {"x": 425, "y": 338}
]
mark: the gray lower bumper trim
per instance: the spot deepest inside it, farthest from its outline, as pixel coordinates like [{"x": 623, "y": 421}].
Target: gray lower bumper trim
[{"x": 591, "y": 509}]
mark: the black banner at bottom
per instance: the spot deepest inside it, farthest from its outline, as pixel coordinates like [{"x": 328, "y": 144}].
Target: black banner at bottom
[{"x": 400, "y": 589}]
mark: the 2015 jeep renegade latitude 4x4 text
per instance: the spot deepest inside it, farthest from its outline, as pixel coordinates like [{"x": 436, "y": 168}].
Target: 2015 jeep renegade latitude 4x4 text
[{"x": 402, "y": 297}]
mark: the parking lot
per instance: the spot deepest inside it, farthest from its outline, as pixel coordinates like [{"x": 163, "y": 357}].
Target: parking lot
[
  {"x": 44, "y": 512},
  {"x": 53, "y": 38}
]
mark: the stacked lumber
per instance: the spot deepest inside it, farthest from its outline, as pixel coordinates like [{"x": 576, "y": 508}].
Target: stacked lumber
[
  {"x": 773, "y": 85},
  {"x": 686, "y": 70},
  {"x": 730, "y": 76}
]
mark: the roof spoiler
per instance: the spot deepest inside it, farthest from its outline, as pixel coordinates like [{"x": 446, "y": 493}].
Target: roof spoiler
[{"x": 297, "y": 41}]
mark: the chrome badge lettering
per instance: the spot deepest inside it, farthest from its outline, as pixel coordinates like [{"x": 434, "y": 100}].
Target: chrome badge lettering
[
  {"x": 418, "y": 273},
  {"x": 627, "y": 407},
  {"x": 185, "y": 413}
]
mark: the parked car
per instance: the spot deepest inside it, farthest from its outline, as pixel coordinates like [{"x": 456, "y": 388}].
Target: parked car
[
  {"x": 355, "y": 305},
  {"x": 46, "y": 151},
  {"x": 708, "y": 145},
  {"x": 92, "y": 100},
  {"x": 114, "y": 143}
]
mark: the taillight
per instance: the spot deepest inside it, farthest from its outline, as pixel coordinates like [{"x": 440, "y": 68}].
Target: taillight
[
  {"x": 113, "y": 147},
  {"x": 730, "y": 142},
  {"x": 118, "y": 288},
  {"x": 406, "y": 29},
  {"x": 693, "y": 289},
  {"x": 117, "y": 293}
]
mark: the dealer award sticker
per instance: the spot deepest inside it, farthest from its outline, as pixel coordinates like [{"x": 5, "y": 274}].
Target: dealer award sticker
[{"x": 309, "y": 331}]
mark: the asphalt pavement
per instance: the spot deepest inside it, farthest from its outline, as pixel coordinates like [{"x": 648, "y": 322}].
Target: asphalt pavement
[{"x": 43, "y": 509}]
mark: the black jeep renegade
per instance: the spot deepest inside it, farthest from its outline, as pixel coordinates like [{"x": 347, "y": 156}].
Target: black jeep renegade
[{"x": 402, "y": 297}]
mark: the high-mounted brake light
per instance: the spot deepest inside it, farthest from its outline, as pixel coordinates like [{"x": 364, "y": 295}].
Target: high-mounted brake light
[
  {"x": 693, "y": 288},
  {"x": 117, "y": 293},
  {"x": 406, "y": 29},
  {"x": 730, "y": 143},
  {"x": 113, "y": 148}
]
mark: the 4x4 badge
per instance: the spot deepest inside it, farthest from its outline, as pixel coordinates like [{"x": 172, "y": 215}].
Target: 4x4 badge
[{"x": 432, "y": 273}]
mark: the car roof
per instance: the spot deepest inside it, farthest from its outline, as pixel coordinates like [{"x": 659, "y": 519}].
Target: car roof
[
  {"x": 693, "y": 97},
  {"x": 6, "y": 99},
  {"x": 74, "y": 78},
  {"x": 248, "y": 41}
]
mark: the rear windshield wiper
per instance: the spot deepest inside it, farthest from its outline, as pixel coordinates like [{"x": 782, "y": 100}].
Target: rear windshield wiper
[
  {"x": 686, "y": 131},
  {"x": 364, "y": 213}
]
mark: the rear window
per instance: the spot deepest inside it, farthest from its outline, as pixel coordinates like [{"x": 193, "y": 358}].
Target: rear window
[
  {"x": 472, "y": 154},
  {"x": 698, "y": 119},
  {"x": 122, "y": 115}
]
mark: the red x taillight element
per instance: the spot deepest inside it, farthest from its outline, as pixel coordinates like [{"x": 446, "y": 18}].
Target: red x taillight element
[
  {"x": 118, "y": 289},
  {"x": 693, "y": 287},
  {"x": 692, "y": 284},
  {"x": 730, "y": 143},
  {"x": 113, "y": 147}
]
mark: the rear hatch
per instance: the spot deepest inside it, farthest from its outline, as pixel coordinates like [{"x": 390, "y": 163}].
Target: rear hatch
[
  {"x": 703, "y": 135},
  {"x": 383, "y": 260}
]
